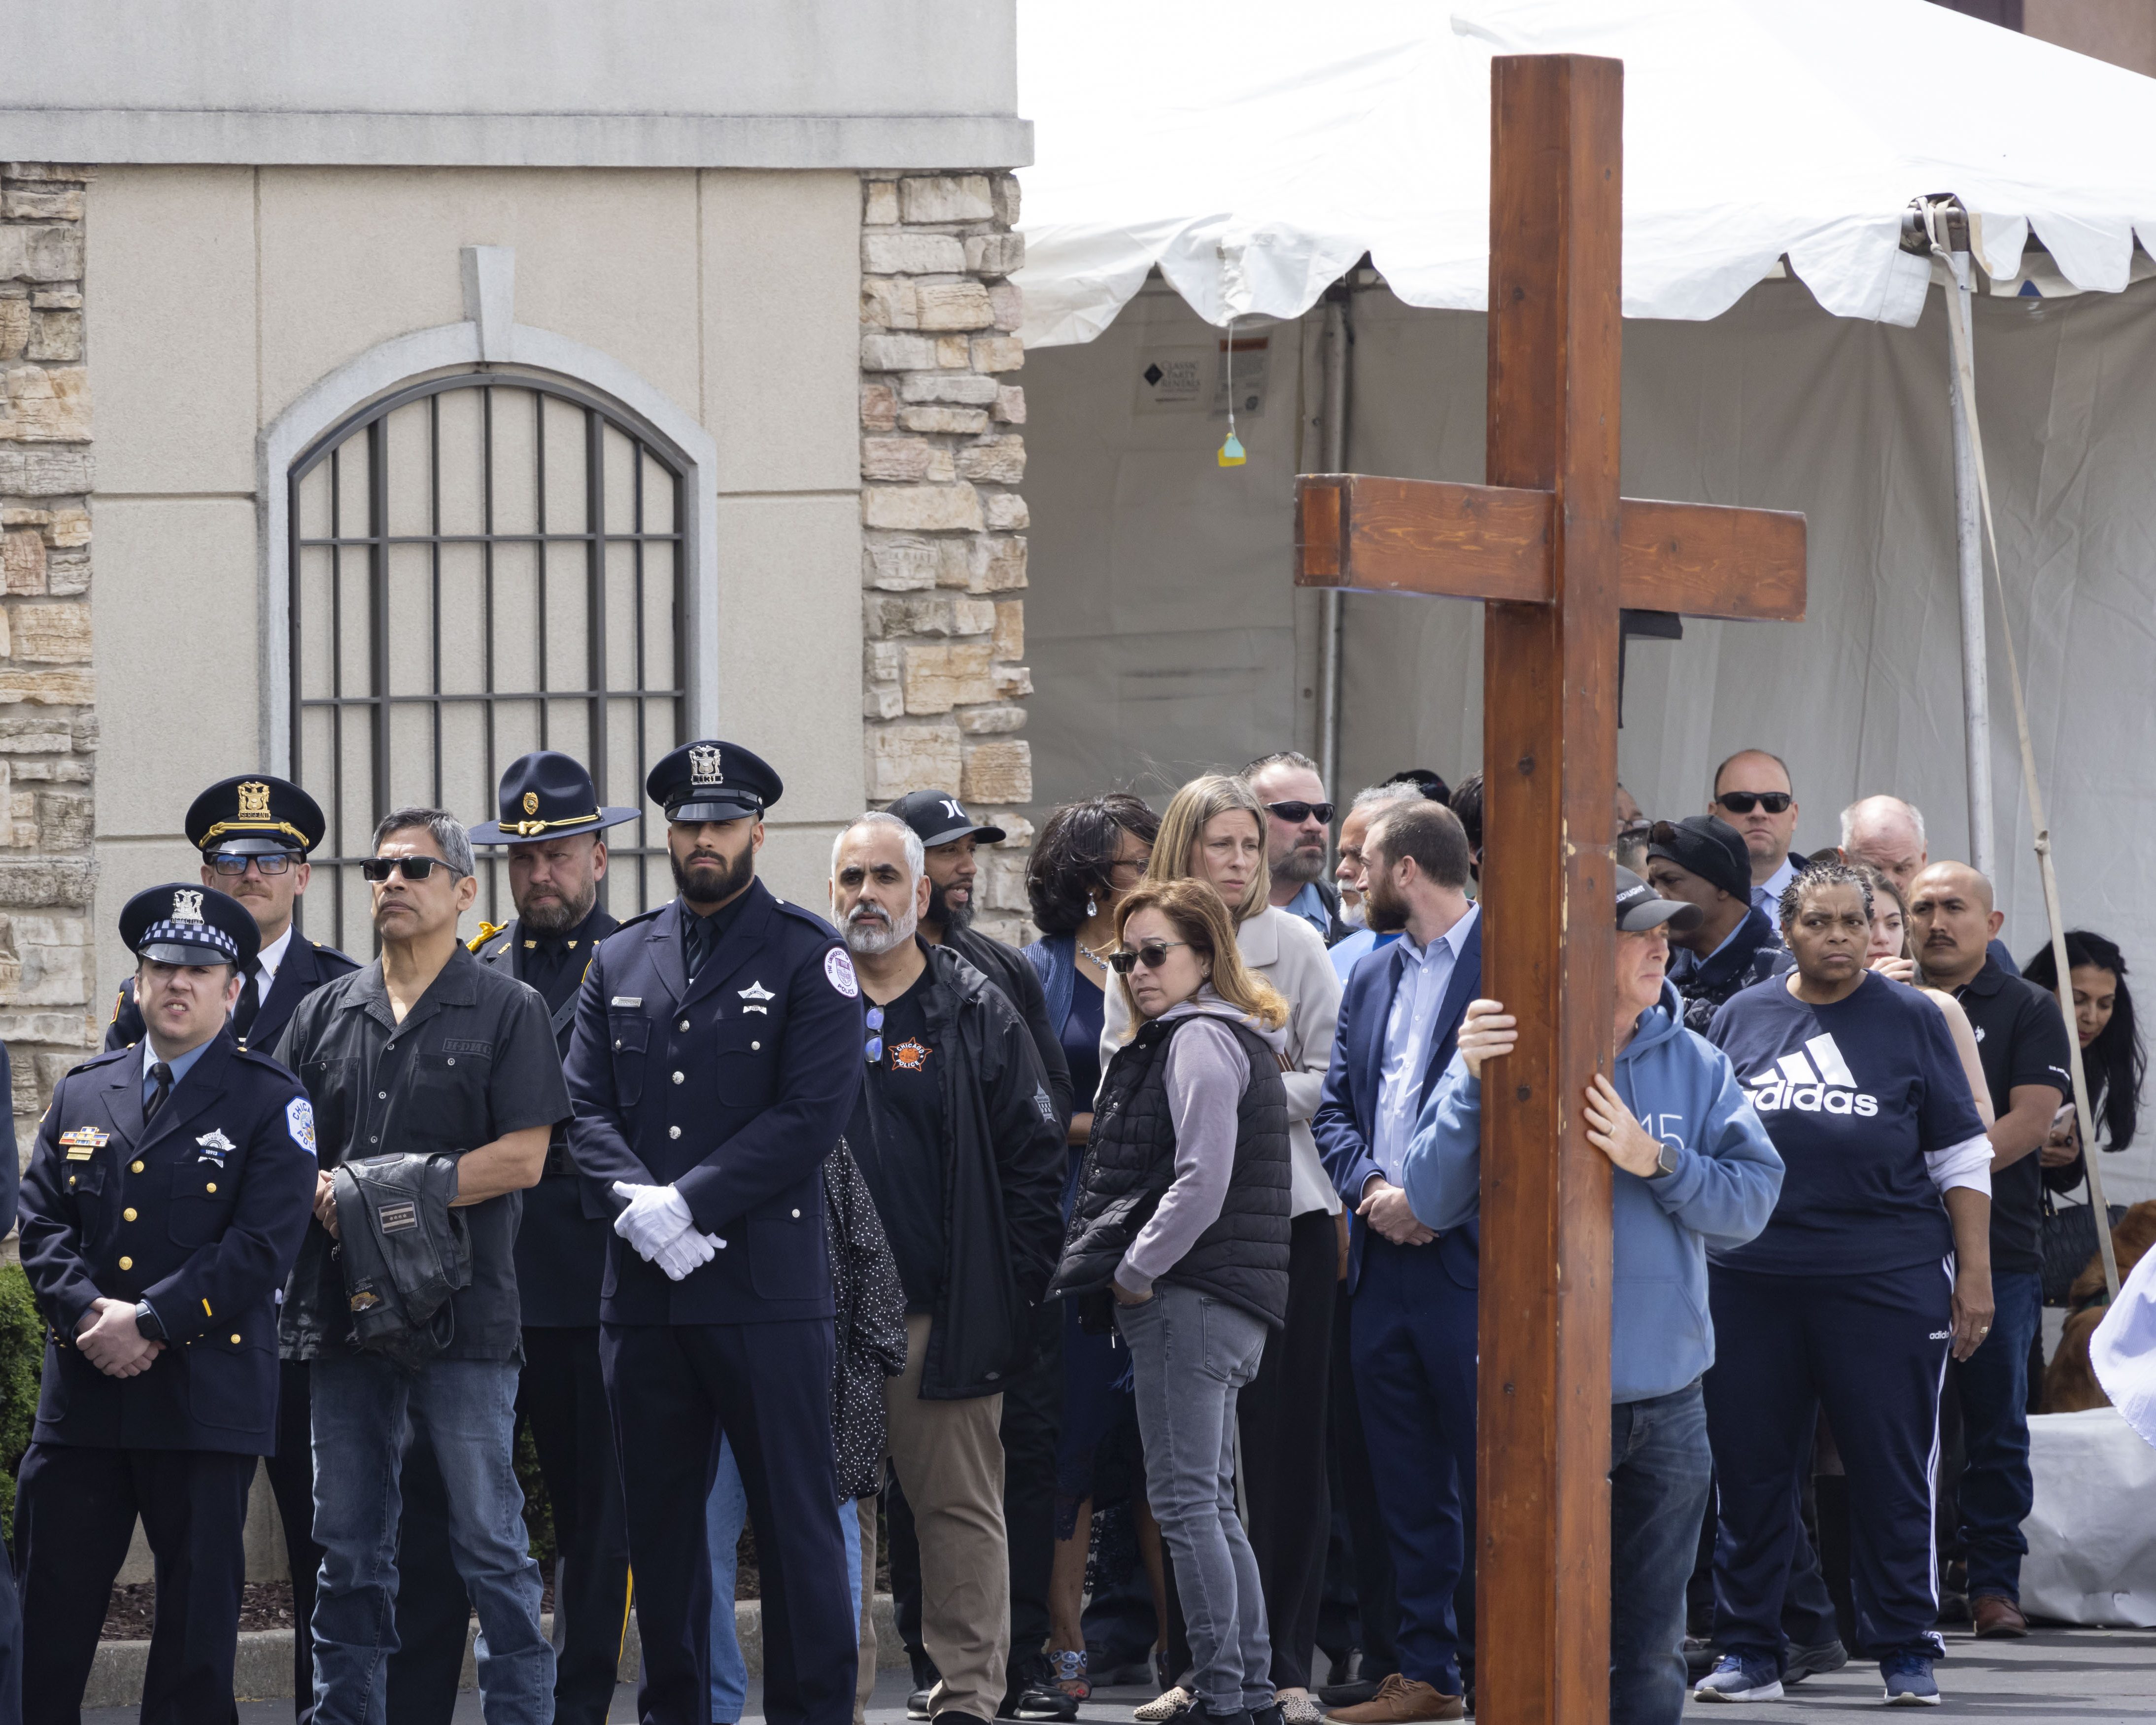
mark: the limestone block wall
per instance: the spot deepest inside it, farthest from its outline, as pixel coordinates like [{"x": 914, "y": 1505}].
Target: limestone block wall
[
  {"x": 48, "y": 694},
  {"x": 943, "y": 524}
]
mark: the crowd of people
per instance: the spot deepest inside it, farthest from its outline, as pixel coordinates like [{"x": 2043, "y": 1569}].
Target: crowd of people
[{"x": 788, "y": 1218}]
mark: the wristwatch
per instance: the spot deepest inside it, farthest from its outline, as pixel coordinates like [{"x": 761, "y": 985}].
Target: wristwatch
[
  {"x": 146, "y": 1322},
  {"x": 1665, "y": 1159}
]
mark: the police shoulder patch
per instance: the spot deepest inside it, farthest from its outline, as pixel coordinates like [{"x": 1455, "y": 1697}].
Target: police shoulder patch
[
  {"x": 839, "y": 971},
  {"x": 300, "y": 1122}
]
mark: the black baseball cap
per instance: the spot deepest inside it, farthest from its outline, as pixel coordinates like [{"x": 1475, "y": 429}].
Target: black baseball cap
[
  {"x": 709, "y": 780},
  {"x": 546, "y": 794},
  {"x": 1710, "y": 849},
  {"x": 938, "y": 817},
  {"x": 178, "y": 924},
  {"x": 1640, "y": 908}
]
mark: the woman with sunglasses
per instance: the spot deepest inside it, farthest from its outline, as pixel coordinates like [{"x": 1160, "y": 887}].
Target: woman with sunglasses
[
  {"x": 1215, "y": 831},
  {"x": 1089, "y": 857},
  {"x": 1182, "y": 1217}
]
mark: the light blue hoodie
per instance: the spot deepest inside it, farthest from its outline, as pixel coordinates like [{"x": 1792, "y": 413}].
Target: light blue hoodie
[{"x": 1682, "y": 1089}]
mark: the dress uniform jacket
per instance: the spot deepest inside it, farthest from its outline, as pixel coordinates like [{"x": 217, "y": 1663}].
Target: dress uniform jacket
[
  {"x": 561, "y": 1250},
  {"x": 307, "y": 965},
  {"x": 200, "y": 1212},
  {"x": 732, "y": 1089}
]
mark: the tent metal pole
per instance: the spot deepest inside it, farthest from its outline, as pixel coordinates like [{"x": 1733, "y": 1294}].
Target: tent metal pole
[
  {"x": 1969, "y": 540},
  {"x": 1333, "y": 457}
]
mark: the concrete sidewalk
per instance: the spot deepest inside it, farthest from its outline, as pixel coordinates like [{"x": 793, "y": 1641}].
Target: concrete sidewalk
[{"x": 2055, "y": 1677}]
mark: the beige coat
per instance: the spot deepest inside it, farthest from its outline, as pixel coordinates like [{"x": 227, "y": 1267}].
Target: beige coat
[{"x": 1290, "y": 955}]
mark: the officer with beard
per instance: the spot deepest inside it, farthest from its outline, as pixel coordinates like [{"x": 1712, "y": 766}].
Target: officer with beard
[{"x": 716, "y": 1055}]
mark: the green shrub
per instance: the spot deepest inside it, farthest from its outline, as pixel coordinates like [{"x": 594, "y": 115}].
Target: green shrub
[
  {"x": 22, "y": 1359},
  {"x": 538, "y": 1508}
]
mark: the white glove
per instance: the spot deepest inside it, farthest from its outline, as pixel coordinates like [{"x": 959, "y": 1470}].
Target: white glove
[
  {"x": 656, "y": 1216},
  {"x": 687, "y": 1251}
]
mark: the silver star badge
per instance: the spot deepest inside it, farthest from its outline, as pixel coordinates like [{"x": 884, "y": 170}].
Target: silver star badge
[{"x": 755, "y": 998}]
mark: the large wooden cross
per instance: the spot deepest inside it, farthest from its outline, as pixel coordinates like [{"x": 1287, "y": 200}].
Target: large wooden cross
[{"x": 1554, "y": 552}]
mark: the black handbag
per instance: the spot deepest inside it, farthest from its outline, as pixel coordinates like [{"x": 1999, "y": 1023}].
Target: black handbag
[{"x": 2069, "y": 1242}]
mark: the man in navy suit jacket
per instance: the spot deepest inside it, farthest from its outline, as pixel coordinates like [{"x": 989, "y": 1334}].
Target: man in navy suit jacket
[{"x": 1412, "y": 1318}]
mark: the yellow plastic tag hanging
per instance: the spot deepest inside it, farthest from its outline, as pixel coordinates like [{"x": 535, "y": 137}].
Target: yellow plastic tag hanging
[{"x": 1231, "y": 452}]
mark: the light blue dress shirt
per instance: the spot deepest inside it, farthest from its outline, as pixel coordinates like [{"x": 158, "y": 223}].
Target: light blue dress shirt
[
  {"x": 1310, "y": 905},
  {"x": 1425, "y": 973},
  {"x": 1768, "y": 894},
  {"x": 1354, "y": 947},
  {"x": 179, "y": 1067}
]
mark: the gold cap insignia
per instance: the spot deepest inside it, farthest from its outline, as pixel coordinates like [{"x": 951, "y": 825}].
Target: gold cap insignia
[
  {"x": 531, "y": 801},
  {"x": 254, "y": 800}
]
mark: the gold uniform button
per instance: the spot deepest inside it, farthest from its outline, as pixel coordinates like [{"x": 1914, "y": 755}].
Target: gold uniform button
[
  {"x": 134, "y": 1168},
  {"x": 235, "y": 1341},
  {"x": 126, "y": 1263},
  {"x": 212, "y": 1186},
  {"x": 127, "y": 1215}
]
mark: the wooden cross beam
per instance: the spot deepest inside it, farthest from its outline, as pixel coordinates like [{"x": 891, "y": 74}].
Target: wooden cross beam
[{"x": 1554, "y": 552}]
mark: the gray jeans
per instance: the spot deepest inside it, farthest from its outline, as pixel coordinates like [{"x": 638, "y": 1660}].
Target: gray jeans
[{"x": 1190, "y": 1353}]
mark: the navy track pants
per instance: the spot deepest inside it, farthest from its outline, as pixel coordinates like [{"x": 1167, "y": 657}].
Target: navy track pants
[{"x": 1870, "y": 1349}]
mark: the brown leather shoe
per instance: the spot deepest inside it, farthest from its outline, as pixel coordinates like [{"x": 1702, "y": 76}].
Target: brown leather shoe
[
  {"x": 1997, "y": 1615},
  {"x": 1401, "y": 1701}
]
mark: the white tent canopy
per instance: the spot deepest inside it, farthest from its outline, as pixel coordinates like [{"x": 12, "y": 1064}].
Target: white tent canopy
[{"x": 1256, "y": 152}]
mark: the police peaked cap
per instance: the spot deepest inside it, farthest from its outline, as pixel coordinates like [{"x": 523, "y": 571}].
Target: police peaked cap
[
  {"x": 178, "y": 924},
  {"x": 254, "y": 815},
  {"x": 547, "y": 795},
  {"x": 708, "y": 780}
]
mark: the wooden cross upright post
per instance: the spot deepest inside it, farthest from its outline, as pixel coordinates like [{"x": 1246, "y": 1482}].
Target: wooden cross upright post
[{"x": 1554, "y": 552}]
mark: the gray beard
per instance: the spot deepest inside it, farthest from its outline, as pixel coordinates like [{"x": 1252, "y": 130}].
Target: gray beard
[
  {"x": 559, "y": 918},
  {"x": 1300, "y": 866},
  {"x": 873, "y": 939}
]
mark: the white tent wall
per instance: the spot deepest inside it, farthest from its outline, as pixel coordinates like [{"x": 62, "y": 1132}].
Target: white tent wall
[{"x": 1164, "y": 631}]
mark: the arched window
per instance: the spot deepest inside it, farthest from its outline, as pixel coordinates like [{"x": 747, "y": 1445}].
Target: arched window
[{"x": 480, "y": 565}]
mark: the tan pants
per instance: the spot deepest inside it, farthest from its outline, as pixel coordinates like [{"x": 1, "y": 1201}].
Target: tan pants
[
  {"x": 949, "y": 1460},
  {"x": 865, "y": 1678}
]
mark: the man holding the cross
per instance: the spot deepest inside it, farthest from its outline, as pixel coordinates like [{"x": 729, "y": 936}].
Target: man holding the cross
[{"x": 1694, "y": 1168}]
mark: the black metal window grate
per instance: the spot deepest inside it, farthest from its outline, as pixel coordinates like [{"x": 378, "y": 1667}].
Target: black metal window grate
[{"x": 482, "y": 565}]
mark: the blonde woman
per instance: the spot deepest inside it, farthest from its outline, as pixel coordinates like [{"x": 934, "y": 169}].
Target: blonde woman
[
  {"x": 1182, "y": 1218},
  {"x": 1215, "y": 831}
]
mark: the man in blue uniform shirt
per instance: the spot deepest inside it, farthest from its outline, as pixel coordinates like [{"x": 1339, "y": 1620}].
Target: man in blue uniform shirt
[
  {"x": 166, "y": 1199},
  {"x": 716, "y": 1057}
]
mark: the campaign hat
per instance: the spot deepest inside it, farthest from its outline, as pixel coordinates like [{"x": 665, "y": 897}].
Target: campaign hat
[
  {"x": 711, "y": 780},
  {"x": 254, "y": 814},
  {"x": 179, "y": 924},
  {"x": 938, "y": 817},
  {"x": 547, "y": 795}
]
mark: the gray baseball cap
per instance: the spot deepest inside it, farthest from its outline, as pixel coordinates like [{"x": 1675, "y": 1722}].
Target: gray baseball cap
[{"x": 1640, "y": 908}]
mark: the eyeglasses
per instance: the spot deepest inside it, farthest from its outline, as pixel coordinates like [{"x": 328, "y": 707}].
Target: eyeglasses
[
  {"x": 1297, "y": 812},
  {"x": 379, "y": 868},
  {"x": 873, "y": 1050},
  {"x": 1152, "y": 954},
  {"x": 1744, "y": 801},
  {"x": 276, "y": 863}
]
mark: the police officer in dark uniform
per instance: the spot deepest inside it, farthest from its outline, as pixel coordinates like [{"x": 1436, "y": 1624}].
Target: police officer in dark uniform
[
  {"x": 164, "y": 1202},
  {"x": 552, "y": 821},
  {"x": 717, "y": 1053},
  {"x": 254, "y": 833}
]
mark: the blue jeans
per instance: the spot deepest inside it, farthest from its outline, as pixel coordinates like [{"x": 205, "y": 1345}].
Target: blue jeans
[
  {"x": 725, "y": 1513},
  {"x": 364, "y": 1410},
  {"x": 1190, "y": 1355},
  {"x": 1661, "y": 1469},
  {"x": 1996, "y": 1486}
]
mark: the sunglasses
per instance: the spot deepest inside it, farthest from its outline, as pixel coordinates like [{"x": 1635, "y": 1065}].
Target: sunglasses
[
  {"x": 235, "y": 866},
  {"x": 379, "y": 868},
  {"x": 1152, "y": 954},
  {"x": 872, "y": 1052},
  {"x": 1298, "y": 813},
  {"x": 1744, "y": 802}
]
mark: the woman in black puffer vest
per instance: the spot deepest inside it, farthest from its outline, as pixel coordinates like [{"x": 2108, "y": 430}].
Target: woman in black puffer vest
[{"x": 1182, "y": 1218}]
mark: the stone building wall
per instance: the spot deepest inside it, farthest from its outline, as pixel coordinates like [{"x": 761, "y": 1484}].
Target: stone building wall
[
  {"x": 48, "y": 715},
  {"x": 943, "y": 524}
]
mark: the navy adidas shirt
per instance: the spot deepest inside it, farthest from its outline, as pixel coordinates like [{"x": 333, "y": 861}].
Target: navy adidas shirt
[{"x": 1855, "y": 1095}]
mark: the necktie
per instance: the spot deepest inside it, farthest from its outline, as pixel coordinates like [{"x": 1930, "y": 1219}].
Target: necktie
[
  {"x": 250, "y": 1001},
  {"x": 696, "y": 940},
  {"x": 161, "y": 1075}
]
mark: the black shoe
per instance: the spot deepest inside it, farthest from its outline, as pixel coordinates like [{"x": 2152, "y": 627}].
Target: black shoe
[
  {"x": 1201, "y": 1714},
  {"x": 1699, "y": 1657},
  {"x": 916, "y": 1704},
  {"x": 1269, "y": 1714},
  {"x": 1804, "y": 1662},
  {"x": 1039, "y": 1702}
]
